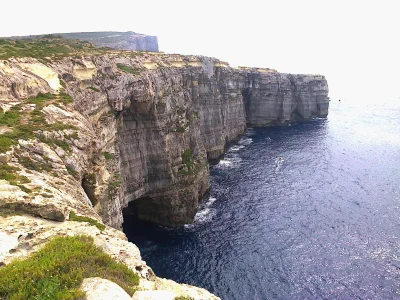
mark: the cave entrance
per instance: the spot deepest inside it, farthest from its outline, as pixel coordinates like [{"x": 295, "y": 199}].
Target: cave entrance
[
  {"x": 246, "y": 94},
  {"x": 89, "y": 186},
  {"x": 135, "y": 224}
]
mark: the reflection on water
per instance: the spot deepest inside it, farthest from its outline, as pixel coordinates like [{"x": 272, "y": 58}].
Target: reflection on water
[{"x": 302, "y": 212}]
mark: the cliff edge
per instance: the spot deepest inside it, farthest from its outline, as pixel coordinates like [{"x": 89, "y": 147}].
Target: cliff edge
[{"x": 111, "y": 134}]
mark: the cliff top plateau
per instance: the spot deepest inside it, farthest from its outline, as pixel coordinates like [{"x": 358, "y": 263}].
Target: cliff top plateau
[
  {"x": 112, "y": 39},
  {"x": 91, "y": 136}
]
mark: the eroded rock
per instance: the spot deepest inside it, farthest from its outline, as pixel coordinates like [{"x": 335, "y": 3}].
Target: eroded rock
[{"x": 97, "y": 288}]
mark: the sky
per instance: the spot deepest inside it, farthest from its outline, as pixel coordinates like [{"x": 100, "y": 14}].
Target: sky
[{"x": 354, "y": 43}]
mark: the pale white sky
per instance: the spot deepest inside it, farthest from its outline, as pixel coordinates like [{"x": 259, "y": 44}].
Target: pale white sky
[{"x": 354, "y": 43}]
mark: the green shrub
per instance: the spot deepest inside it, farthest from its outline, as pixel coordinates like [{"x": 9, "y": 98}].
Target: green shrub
[
  {"x": 187, "y": 158},
  {"x": 74, "y": 217},
  {"x": 9, "y": 118},
  {"x": 60, "y": 143},
  {"x": 10, "y": 174},
  {"x": 72, "y": 172},
  {"x": 44, "y": 47},
  {"x": 59, "y": 126},
  {"x": 64, "y": 98},
  {"x": 57, "y": 271},
  {"x": 24, "y": 188},
  {"x": 33, "y": 165},
  {"x": 73, "y": 136},
  {"x": 41, "y": 100},
  {"x": 108, "y": 156},
  {"x": 6, "y": 143},
  {"x": 114, "y": 184},
  {"x": 93, "y": 89},
  {"x": 128, "y": 69}
]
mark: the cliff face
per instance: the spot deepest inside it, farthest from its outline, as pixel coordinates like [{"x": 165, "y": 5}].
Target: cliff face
[
  {"x": 123, "y": 133},
  {"x": 160, "y": 117}
]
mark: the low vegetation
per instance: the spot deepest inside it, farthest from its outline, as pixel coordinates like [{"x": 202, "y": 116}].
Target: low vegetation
[
  {"x": 57, "y": 271},
  {"x": 28, "y": 125},
  {"x": 187, "y": 158},
  {"x": 10, "y": 174},
  {"x": 72, "y": 172},
  {"x": 9, "y": 118},
  {"x": 34, "y": 165},
  {"x": 114, "y": 185},
  {"x": 183, "y": 298},
  {"x": 74, "y": 217},
  {"x": 45, "y": 47},
  {"x": 128, "y": 69},
  {"x": 108, "y": 156},
  {"x": 94, "y": 89}
]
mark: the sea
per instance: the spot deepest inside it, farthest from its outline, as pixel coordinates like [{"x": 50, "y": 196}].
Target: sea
[{"x": 303, "y": 211}]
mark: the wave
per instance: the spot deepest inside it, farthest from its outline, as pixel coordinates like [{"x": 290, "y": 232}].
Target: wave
[
  {"x": 235, "y": 148},
  {"x": 245, "y": 141}
]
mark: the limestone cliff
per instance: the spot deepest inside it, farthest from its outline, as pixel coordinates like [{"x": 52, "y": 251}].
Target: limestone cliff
[
  {"x": 125, "y": 133},
  {"x": 146, "y": 124}
]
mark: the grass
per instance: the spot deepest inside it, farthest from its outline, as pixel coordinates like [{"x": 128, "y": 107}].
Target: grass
[
  {"x": 128, "y": 69},
  {"x": 93, "y": 89},
  {"x": 57, "y": 270},
  {"x": 26, "y": 125},
  {"x": 108, "y": 156},
  {"x": 6, "y": 143},
  {"x": 9, "y": 118},
  {"x": 74, "y": 217},
  {"x": 44, "y": 47},
  {"x": 183, "y": 298},
  {"x": 41, "y": 99},
  {"x": 55, "y": 142},
  {"x": 33, "y": 165},
  {"x": 24, "y": 188},
  {"x": 9, "y": 173},
  {"x": 64, "y": 98}
]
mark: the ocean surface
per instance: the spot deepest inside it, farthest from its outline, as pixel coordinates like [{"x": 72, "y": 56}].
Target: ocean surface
[{"x": 307, "y": 211}]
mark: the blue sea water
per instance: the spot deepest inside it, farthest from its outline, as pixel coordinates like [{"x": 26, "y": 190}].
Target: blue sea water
[{"x": 307, "y": 211}]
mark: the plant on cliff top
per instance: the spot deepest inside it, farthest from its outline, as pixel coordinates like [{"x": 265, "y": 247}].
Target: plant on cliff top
[
  {"x": 6, "y": 143},
  {"x": 26, "y": 125},
  {"x": 74, "y": 217},
  {"x": 9, "y": 118},
  {"x": 41, "y": 99},
  {"x": 10, "y": 174},
  {"x": 128, "y": 69},
  {"x": 45, "y": 47},
  {"x": 58, "y": 269}
]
